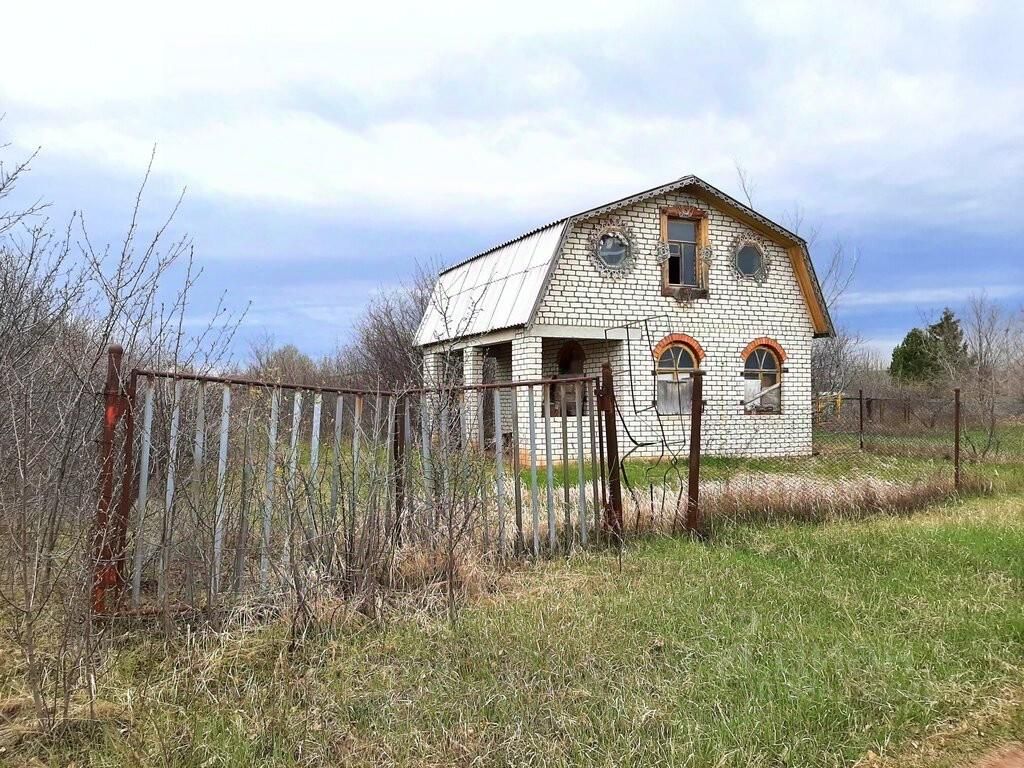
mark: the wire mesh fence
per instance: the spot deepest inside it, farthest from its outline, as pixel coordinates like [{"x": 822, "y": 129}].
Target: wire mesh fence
[{"x": 868, "y": 453}]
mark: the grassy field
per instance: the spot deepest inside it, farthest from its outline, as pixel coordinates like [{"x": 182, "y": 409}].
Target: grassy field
[
  {"x": 845, "y": 464},
  {"x": 774, "y": 645}
]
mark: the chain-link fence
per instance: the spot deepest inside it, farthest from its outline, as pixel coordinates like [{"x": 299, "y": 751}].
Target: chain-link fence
[{"x": 869, "y": 453}]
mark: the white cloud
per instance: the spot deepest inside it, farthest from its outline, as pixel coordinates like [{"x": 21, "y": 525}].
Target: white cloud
[
  {"x": 854, "y": 112},
  {"x": 927, "y": 296}
]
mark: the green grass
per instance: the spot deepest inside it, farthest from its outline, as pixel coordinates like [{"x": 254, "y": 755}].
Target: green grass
[
  {"x": 643, "y": 472},
  {"x": 774, "y": 645},
  {"x": 895, "y": 458}
]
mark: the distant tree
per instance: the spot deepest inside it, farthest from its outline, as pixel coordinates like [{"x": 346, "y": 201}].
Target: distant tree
[
  {"x": 285, "y": 364},
  {"x": 993, "y": 397},
  {"x": 951, "y": 350},
  {"x": 382, "y": 351},
  {"x": 916, "y": 358},
  {"x": 937, "y": 351}
]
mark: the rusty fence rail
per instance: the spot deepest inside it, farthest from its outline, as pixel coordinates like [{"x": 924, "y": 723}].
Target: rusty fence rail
[{"x": 231, "y": 486}]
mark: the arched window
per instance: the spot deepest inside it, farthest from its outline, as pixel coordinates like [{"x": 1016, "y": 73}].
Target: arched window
[
  {"x": 674, "y": 384},
  {"x": 762, "y": 381},
  {"x": 571, "y": 359}
]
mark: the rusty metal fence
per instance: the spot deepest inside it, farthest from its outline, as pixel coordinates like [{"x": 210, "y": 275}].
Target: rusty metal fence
[{"x": 232, "y": 487}]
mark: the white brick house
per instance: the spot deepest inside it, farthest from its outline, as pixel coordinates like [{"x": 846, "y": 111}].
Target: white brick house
[{"x": 676, "y": 277}]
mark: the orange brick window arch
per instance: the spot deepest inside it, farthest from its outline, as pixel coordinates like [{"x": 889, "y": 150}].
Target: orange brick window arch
[
  {"x": 765, "y": 341},
  {"x": 680, "y": 338}
]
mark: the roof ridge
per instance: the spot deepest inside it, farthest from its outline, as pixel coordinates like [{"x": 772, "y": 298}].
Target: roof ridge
[{"x": 682, "y": 181}]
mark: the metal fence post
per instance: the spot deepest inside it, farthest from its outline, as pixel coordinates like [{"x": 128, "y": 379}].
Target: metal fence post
[
  {"x": 105, "y": 573},
  {"x": 402, "y": 403},
  {"x": 860, "y": 409},
  {"x": 693, "y": 522},
  {"x": 956, "y": 438},
  {"x": 516, "y": 485},
  {"x": 128, "y": 482},
  {"x": 613, "y": 514}
]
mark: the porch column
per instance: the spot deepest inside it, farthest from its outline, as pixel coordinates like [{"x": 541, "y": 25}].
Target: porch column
[
  {"x": 432, "y": 369},
  {"x": 526, "y": 366},
  {"x": 472, "y": 373}
]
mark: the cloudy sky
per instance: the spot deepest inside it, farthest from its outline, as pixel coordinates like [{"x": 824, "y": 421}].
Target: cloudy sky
[{"x": 325, "y": 148}]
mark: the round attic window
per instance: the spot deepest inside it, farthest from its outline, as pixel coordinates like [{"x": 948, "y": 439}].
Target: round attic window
[
  {"x": 613, "y": 250},
  {"x": 750, "y": 259}
]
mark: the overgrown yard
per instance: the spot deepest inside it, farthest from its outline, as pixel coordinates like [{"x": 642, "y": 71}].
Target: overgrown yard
[{"x": 773, "y": 645}]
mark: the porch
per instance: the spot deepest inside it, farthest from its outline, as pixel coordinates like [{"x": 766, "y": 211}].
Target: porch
[{"x": 540, "y": 354}]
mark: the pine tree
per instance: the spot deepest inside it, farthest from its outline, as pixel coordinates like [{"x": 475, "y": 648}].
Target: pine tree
[
  {"x": 950, "y": 347},
  {"x": 916, "y": 358},
  {"x": 927, "y": 354}
]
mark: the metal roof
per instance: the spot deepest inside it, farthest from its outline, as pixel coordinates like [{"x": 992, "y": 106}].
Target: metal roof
[
  {"x": 496, "y": 289},
  {"x": 501, "y": 287}
]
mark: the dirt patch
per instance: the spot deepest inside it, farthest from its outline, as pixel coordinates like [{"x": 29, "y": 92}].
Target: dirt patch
[
  {"x": 958, "y": 743},
  {"x": 1010, "y": 756}
]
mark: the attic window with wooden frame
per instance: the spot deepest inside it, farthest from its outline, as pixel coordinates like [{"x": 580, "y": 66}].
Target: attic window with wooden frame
[
  {"x": 571, "y": 359},
  {"x": 684, "y": 237},
  {"x": 762, "y": 381}
]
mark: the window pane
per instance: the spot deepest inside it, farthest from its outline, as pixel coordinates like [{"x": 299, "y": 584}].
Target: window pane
[
  {"x": 668, "y": 395},
  {"x": 772, "y": 400},
  {"x": 689, "y": 264},
  {"x": 751, "y": 390},
  {"x": 761, "y": 359},
  {"x": 748, "y": 260},
  {"x": 673, "y": 270},
  {"x": 682, "y": 229},
  {"x": 612, "y": 250},
  {"x": 673, "y": 397},
  {"x": 685, "y": 358},
  {"x": 667, "y": 359},
  {"x": 685, "y": 389}
]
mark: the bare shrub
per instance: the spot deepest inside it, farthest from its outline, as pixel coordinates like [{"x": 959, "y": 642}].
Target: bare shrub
[
  {"x": 63, "y": 301},
  {"x": 992, "y": 385}
]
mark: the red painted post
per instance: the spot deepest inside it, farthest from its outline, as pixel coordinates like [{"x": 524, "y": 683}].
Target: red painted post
[
  {"x": 128, "y": 484},
  {"x": 104, "y": 565},
  {"x": 613, "y": 512},
  {"x": 693, "y": 522}
]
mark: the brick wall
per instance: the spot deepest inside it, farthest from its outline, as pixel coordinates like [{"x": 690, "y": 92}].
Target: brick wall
[{"x": 736, "y": 311}]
